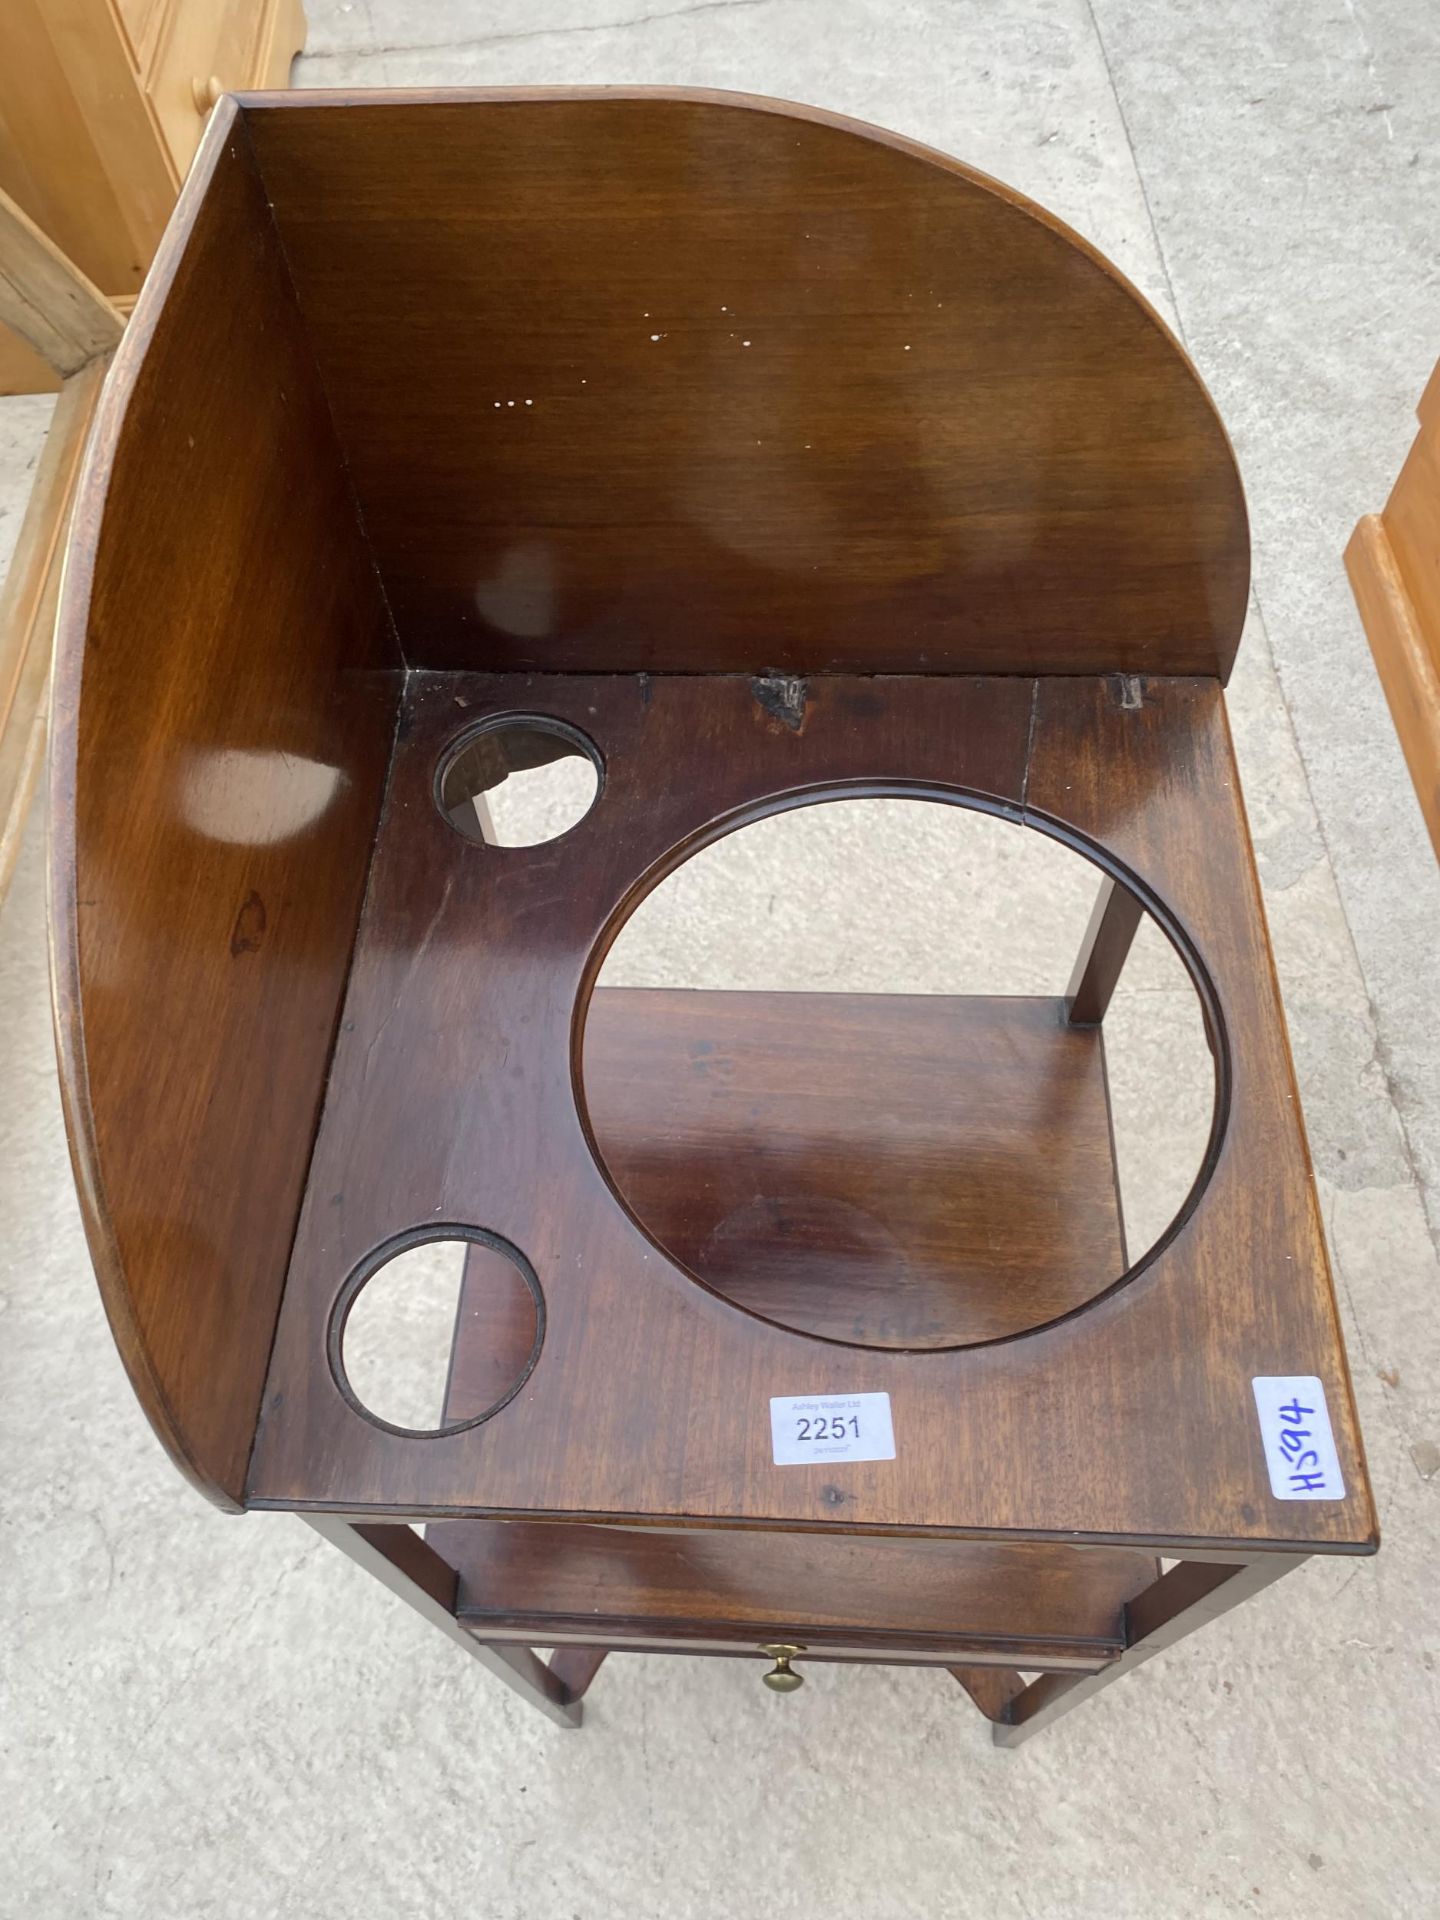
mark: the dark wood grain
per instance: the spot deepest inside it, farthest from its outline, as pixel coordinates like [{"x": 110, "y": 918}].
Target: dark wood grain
[
  {"x": 917, "y": 1596},
  {"x": 808, "y": 464},
  {"x": 630, "y": 379},
  {"x": 456, "y": 1093},
  {"x": 898, "y": 1170},
  {"x": 222, "y": 723}
]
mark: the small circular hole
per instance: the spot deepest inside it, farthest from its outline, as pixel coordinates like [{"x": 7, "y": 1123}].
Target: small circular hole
[
  {"x": 517, "y": 781},
  {"x": 437, "y": 1331}
]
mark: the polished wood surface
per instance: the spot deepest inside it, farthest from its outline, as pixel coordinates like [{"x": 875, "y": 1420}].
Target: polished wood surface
[
  {"x": 902, "y": 1170},
  {"x": 847, "y": 403},
  {"x": 918, "y": 1597},
  {"x": 223, "y": 717},
  {"x": 303, "y": 1019},
  {"x": 447, "y": 1101},
  {"x": 1394, "y": 564}
]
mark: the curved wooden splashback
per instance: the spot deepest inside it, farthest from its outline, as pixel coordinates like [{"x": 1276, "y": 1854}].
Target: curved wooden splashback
[
  {"x": 598, "y": 380},
  {"x": 224, "y": 703},
  {"x": 703, "y": 383}
]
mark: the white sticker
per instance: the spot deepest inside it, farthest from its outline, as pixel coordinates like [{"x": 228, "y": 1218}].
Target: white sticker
[
  {"x": 1299, "y": 1446},
  {"x": 820, "y": 1427}
]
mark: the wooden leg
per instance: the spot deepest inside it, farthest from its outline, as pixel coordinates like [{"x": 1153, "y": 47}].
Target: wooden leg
[
  {"x": 1103, "y": 951},
  {"x": 991, "y": 1688},
  {"x": 410, "y": 1567},
  {"x": 576, "y": 1667},
  {"x": 1191, "y": 1593}
]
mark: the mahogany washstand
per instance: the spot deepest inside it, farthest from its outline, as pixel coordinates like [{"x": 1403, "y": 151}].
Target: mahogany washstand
[{"x": 762, "y": 458}]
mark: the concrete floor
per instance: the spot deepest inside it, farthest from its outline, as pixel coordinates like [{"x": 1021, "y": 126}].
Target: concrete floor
[{"x": 211, "y": 1717}]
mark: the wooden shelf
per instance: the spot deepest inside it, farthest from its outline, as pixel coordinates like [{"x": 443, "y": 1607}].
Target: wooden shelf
[
  {"x": 422, "y": 438},
  {"x": 904, "y": 1170},
  {"x": 921, "y": 1599}
]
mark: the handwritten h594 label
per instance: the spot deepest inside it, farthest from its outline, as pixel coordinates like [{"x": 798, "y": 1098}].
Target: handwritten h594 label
[
  {"x": 811, "y": 1427},
  {"x": 1299, "y": 1445}
]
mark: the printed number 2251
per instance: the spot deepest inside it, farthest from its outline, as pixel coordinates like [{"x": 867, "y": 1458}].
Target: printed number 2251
[
  {"x": 821, "y": 1427},
  {"x": 825, "y": 1429}
]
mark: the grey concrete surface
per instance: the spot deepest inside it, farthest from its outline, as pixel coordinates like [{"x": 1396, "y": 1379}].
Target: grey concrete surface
[{"x": 215, "y": 1717}]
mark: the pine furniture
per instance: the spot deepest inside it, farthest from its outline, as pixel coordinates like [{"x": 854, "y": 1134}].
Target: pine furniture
[
  {"x": 1394, "y": 564},
  {"x": 102, "y": 104},
  {"x": 73, "y": 329}
]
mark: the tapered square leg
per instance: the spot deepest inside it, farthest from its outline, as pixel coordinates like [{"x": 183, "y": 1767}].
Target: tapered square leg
[
  {"x": 1181, "y": 1600},
  {"x": 411, "y": 1568}
]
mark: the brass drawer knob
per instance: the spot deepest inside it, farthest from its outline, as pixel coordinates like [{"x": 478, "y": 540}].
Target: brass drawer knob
[{"x": 782, "y": 1678}]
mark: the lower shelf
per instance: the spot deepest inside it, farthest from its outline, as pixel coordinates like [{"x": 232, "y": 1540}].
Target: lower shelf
[
  {"x": 906, "y": 1170},
  {"x": 553, "y": 1583}
]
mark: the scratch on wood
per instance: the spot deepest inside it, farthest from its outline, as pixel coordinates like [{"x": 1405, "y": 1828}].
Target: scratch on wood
[{"x": 1029, "y": 743}]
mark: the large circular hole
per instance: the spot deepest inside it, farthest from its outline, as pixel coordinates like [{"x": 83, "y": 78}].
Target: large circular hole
[
  {"x": 830, "y": 1069},
  {"x": 517, "y": 781},
  {"x": 439, "y": 1332}
]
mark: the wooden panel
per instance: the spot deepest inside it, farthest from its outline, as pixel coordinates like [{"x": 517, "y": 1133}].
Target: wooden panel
[
  {"x": 29, "y": 600},
  {"x": 21, "y": 368},
  {"x": 637, "y": 379},
  {"x": 224, "y": 711},
  {"x": 102, "y": 103},
  {"x": 454, "y": 1096},
  {"x": 1407, "y": 658},
  {"x": 1412, "y": 523},
  {"x": 741, "y": 1129},
  {"x": 78, "y": 149},
  {"x": 901, "y": 1170},
  {"x": 47, "y": 300},
  {"x": 1394, "y": 564},
  {"x": 1245, "y": 1289},
  {"x": 544, "y": 1578},
  {"x": 196, "y": 52}
]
